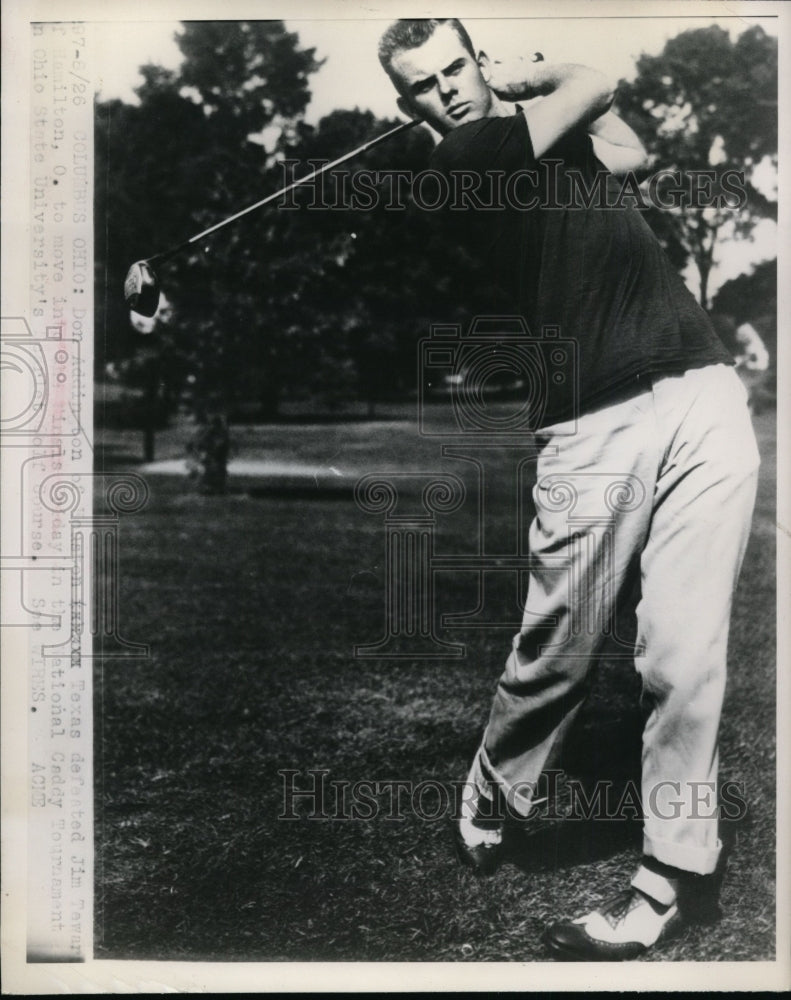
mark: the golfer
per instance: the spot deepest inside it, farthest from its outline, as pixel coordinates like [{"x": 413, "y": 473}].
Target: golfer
[{"x": 647, "y": 465}]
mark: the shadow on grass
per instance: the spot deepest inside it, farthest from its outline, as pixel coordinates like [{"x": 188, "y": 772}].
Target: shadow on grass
[
  {"x": 110, "y": 456},
  {"x": 297, "y": 419},
  {"x": 566, "y": 843},
  {"x": 298, "y": 492}
]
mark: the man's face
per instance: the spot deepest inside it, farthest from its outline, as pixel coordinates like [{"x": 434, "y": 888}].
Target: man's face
[{"x": 442, "y": 83}]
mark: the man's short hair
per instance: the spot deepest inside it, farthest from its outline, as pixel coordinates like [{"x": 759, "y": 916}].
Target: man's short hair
[{"x": 410, "y": 34}]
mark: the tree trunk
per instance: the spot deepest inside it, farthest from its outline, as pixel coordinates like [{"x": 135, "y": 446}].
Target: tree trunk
[
  {"x": 208, "y": 453},
  {"x": 148, "y": 439},
  {"x": 704, "y": 269},
  {"x": 151, "y": 407},
  {"x": 704, "y": 258}
]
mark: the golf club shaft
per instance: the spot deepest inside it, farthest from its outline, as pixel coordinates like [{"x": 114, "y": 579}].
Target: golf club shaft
[{"x": 289, "y": 187}]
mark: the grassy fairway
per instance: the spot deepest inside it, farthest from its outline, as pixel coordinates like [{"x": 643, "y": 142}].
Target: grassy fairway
[{"x": 252, "y": 604}]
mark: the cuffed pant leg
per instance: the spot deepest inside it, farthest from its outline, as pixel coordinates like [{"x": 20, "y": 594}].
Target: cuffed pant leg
[{"x": 689, "y": 569}]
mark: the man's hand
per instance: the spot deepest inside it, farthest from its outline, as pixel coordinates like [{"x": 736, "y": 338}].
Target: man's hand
[
  {"x": 515, "y": 79},
  {"x": 522, "y": 78}
]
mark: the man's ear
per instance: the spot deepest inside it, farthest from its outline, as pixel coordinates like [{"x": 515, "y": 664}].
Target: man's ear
[
  {"x": 406, "y": 109},
  {"x": 485, "y": 66}
]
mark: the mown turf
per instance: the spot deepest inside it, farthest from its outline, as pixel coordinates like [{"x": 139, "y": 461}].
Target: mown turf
[{"x": 252, "y": 604}]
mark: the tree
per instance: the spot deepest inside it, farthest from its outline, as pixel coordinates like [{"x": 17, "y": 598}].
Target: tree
[
  {"x": 752, "y": 298},
  {"x": 707, "y": 103},
  {"x": 191, "y": 153},
  {"x": 749, "y": 296}
]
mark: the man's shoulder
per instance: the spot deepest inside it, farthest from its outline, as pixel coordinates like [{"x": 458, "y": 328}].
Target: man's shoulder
[{"x": 479, "y": 142}]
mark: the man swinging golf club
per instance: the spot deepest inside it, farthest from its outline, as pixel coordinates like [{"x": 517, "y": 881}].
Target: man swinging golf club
[{"x": 659, "y": 415}]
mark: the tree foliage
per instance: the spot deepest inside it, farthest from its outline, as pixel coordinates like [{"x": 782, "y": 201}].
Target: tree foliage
[
  {"x": 707, "y": 102},
  {"x": 185, "y": 157},
  {"x": 749, "y": 295},
  {"x": 752, "y": 298}
]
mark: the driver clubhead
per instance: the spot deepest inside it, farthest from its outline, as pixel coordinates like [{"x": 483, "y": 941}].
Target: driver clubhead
[{"x": 141, "y": 289}]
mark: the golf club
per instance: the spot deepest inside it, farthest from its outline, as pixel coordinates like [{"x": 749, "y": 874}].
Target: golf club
[{"x": 142, "y": 288}]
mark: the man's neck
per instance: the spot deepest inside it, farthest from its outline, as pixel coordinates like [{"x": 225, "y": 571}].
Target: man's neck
[{"x": 500, "y": 108}]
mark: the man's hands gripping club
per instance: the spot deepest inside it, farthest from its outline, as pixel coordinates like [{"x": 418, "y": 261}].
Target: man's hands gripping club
[
  {"x": 572, "y": 95},
  {"x": 566, "y": 95}
]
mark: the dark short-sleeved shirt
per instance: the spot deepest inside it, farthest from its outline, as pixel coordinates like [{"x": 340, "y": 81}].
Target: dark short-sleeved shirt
[{"x": 597, "y": 273}]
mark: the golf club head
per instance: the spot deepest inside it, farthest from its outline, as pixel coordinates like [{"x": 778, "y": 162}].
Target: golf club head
[{"x": 141, "y": 289}]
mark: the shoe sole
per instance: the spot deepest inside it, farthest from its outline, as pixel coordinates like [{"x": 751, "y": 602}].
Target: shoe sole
[
  {"x": 567, "y": 954},
  {"x": 624, "y": 954}
]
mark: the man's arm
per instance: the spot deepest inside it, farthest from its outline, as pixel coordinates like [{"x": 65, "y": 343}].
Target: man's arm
[
  {"x": 616, "y": 145},
  {"x": 573, "y": 95}
]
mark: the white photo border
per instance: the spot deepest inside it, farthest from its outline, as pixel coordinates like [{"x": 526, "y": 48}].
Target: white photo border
[{"x": 114, "y": 976}]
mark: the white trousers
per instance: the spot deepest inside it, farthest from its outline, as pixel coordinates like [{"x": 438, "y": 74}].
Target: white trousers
[{"x": 663, "y": 481}]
